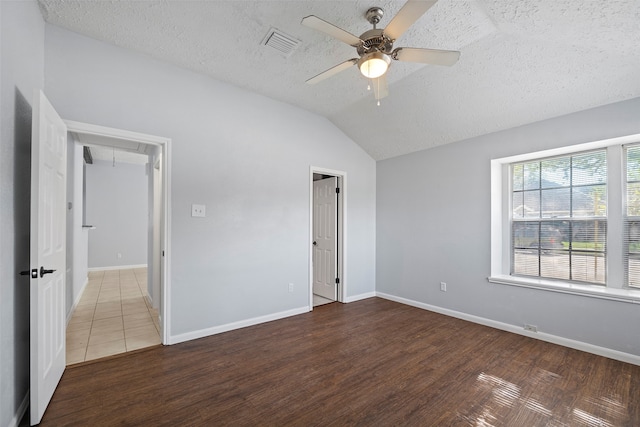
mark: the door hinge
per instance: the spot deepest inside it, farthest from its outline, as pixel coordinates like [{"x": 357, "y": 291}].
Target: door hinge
[
  {"x": 337, "y": 190},
  {"x": 337, "y": 280}
]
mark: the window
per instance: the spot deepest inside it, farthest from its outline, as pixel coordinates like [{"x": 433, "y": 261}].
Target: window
[
  {"x": 568, "y": 219},
  {"x": 559, "y": 217},
  {"x": 632, "y": 220}
]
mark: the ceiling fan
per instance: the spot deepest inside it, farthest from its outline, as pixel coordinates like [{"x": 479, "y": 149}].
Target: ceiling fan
[{"x": 375, "y": 47}]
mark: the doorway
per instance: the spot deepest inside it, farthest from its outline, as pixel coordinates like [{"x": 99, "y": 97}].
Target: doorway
[
  {"x": 327, "y": 281},
  {"x": 132, "y": 291},
  {"x": 49, "y": 301}
]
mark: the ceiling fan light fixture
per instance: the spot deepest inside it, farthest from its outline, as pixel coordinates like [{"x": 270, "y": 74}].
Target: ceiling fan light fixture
[{"x": 373, "y": 65}]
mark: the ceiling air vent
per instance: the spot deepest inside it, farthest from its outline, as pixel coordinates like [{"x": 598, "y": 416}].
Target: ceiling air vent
[{"x": 281, "y": 42}]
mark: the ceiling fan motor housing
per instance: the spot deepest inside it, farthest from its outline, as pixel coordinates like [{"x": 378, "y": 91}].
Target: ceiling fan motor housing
[{"x": 374, "y": 41}]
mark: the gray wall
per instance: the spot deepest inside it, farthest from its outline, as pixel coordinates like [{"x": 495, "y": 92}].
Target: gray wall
[
  {"x": 22, "y": 68},
  {"x": 244, "y": 156},
  {"x": 77, "y": 237},
  {"x": 117, "y": 205},
  {"x": 154, "y": 249},
  {"x": 433, "y": 225}
]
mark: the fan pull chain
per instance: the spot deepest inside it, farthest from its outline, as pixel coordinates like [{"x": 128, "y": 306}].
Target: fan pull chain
[{"x": 376, "y": 93}]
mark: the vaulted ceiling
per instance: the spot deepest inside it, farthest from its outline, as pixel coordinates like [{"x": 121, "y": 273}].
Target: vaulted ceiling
[{"x": 521, "y": 61}]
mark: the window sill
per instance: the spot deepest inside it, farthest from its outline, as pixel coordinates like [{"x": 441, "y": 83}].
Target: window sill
[{"x": 593, "y": 291}]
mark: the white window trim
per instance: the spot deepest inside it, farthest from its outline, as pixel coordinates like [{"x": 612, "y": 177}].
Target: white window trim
[{"x": 500, "y": 221}]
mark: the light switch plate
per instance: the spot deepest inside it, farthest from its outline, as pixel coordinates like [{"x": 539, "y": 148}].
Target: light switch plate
[{"x": 198, "y": 210}]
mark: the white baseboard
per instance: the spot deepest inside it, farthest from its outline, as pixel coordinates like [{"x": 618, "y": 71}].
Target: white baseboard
[
  {"x": 22, "y": 409},
  {"x": 118, "y": 267},
  {"x": 554, "y": 339},
  {"x": 360, "y": 296},
  {"x": 175, "y": 339}
]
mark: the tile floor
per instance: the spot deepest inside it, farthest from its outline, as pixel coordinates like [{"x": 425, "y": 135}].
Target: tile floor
[
  {"x": 318, "y": 300},
  {"x": 113, "y": 316}
]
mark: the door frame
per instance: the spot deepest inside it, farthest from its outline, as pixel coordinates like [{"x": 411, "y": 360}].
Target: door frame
[
  {"x": 165, "y": 225},
  {"x": 342, "y": 231}
]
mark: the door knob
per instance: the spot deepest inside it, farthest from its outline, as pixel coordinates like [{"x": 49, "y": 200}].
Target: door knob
[
  {"x": 43, "y": 271},
  {"x": 314, "y": 243},
  {"x": 33, "y": 273}
]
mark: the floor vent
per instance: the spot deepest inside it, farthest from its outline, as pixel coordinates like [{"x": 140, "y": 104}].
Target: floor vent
[{"x": 281, "y": 42}]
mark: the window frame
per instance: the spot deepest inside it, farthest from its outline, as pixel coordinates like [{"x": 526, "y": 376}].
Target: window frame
[
  {"x": 628, "y": 218},
  {"x": 571, "y": 218},
  {"x": 614, "y": 287}
]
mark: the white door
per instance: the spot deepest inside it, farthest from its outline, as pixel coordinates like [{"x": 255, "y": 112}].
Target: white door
[
  {"x": 325, "y": 228},
  {"x": 48, "y": 253}
]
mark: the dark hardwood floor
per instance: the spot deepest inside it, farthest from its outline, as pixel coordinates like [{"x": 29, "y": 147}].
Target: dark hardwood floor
[{"x": 371, "y": 363}]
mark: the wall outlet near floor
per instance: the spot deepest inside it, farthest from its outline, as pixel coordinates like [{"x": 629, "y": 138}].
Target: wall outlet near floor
[
  {"x": 443, "y": 286},
  {"x": 530, "y": 328},
  {"x": 119, "y": 255},
  {"x": 290, "y": 287},
  {"x": 198, "y": 211}
]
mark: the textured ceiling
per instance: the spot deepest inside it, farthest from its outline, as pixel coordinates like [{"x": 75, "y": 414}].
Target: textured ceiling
[{"x": 521, "y": 61}]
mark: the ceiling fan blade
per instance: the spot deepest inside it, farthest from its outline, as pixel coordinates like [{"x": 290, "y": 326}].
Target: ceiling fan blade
[
  {"x": 332, "y": 71},
  {"x": 380, "y": 87},
  {"x": 407, "y": 15},
  {"x": 330, "y": 29},
  {"x": 426, "y": 56}
]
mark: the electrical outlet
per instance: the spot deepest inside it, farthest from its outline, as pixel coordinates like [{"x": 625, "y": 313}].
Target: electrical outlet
[
  {"x": 443, "y": 286},
  {"x": 290, "y": 287},
  {"x": 198, "y": 210},
  {"x": 530, "y": 328},
  {"x": 119, "y": 255}
]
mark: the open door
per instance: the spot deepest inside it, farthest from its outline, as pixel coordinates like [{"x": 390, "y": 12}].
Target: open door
[
  {"x": 48, "y": 253},
  {"x": 325, "y": 239}
]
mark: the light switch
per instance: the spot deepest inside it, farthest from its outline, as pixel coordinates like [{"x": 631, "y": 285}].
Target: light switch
[{"x": 197, "y": 210}]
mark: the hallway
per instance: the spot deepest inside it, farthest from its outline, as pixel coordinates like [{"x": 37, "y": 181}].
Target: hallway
[{"x": 113, "y": 316}]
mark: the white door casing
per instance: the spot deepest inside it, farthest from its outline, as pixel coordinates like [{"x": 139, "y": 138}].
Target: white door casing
[
  {"x": 325, "y": 242},
  {"x": 48, "y": 252},
  {"x": 90, "y": 134}
]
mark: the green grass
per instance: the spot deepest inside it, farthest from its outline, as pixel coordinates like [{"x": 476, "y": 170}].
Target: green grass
[
  {"x": 586, "y": 246},
  {"x": 593, "y": 246}
]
